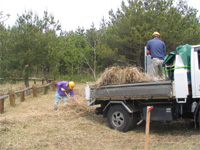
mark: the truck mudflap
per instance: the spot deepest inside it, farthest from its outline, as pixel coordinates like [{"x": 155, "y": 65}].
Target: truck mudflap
[{"x": 143, "y": 90}]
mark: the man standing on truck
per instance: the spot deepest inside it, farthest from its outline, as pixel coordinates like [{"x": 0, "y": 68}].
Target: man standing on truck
[
  {"x": 64, "y": 88},
  {"x": 157, "y": 49}
]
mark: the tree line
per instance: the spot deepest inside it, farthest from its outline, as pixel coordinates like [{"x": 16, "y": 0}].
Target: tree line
[{"x": 39, "y": 46}]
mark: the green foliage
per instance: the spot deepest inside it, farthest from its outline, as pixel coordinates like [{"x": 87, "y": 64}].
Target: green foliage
[
  {"x": 131, "y": 27},
  {"x": 4, "y": 51},
  {"x": 30, "y": 44},
  {"x": 69, "y": 53}
]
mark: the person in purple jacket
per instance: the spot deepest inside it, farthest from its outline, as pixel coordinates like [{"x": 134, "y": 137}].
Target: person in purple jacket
[{"x": 64, "y": 88}]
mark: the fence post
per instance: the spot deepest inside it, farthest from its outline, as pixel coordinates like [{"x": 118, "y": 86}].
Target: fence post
[
  {"x": 34, "y": 91},
  {"x": 15, "y": 81},
  {"x": 54, "y": 85},
  {"x": 46, "y": 89},
  {"x": 34, "y": 81},
  {"x": 1, "y": 104},
  {"x": 43, "y": 80},
  {"x": 22, "y": 97},
  {"x": 12, "y": 99}
]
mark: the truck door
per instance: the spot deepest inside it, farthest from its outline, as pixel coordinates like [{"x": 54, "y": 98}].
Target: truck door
[
  {"x": 195, "y": 71},
  {"x": 180, "y": 79}
]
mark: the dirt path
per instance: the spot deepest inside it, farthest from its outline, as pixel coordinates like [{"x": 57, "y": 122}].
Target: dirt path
[{"x": 33, "y": 125}]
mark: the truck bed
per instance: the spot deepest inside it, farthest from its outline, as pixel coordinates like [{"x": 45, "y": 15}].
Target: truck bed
[{"x": 132, "y": 91}]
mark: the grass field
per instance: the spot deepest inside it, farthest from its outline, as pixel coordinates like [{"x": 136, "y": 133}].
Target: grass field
[{"x": 33, "y": 125}]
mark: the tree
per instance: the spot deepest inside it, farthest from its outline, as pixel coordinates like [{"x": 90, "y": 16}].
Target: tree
[
  {"x": 127, "y": 31},
  {"x": 4, "y": 51},
  {"x": 32, "y": 38},
  {"x": 4, "y": 45},
  {"x": 67, "y": 54},
  {"x": 3, "y": 17},
  {"x": 132, "y": 26},
  {"x": 47, "y": 40},
  {"x": 93, "y": 41},
  {"x": 106, "y": 56}
]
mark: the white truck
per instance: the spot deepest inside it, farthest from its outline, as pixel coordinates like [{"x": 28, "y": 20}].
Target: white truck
[{"x": 177, "y": 97}]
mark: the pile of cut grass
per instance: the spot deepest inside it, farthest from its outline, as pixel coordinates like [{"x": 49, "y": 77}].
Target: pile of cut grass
[{"x": 120, "y": 75}]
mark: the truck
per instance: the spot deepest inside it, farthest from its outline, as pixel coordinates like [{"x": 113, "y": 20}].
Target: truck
[{"x": 177, "y": 97}]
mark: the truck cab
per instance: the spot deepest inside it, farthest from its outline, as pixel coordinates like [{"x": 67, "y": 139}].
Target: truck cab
[{"x": 183, "y": 68}]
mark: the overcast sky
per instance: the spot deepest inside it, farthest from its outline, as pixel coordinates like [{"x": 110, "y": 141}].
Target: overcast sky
[{"x": 70, "y": 13}]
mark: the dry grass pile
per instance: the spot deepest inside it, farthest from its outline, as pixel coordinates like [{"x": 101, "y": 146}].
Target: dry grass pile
[{"x": 120, "y": 75}]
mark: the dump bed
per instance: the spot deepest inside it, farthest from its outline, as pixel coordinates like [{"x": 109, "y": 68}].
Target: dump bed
[{"x": 142, "y": 90}]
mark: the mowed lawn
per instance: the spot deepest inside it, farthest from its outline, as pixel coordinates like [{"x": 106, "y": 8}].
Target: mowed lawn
[{"x": 33, "y": 125}]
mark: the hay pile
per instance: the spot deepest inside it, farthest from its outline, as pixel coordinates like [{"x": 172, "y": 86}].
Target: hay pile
[{"x": 120, "y": 75}]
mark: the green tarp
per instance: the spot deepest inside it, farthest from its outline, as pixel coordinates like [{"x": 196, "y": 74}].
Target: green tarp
[{"x": 184, "y": 51}]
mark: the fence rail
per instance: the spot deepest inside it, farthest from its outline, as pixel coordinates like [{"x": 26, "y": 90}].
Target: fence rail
[
  {"x": 34, "y": 79},
  {"x": 11, "y": 94}
]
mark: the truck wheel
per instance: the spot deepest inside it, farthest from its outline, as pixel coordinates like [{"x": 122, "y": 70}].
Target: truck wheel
[{"x": 119, "y": 118}]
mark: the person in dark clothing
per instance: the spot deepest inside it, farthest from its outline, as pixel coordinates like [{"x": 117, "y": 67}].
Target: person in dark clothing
[{"x": 157, "y": 49}]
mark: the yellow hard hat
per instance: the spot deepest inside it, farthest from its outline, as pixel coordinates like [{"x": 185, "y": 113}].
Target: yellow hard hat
[
  {"x": 71, "y": 84},
  {"x": 156, "y": 33}
]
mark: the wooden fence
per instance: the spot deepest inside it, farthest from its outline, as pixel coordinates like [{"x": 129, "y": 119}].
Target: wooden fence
[
  {"x": 19, "y": 79},
  {"x": 34, "y": 88}
]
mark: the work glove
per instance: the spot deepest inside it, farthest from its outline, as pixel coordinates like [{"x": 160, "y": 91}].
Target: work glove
[{"x": 62, "y": 89}]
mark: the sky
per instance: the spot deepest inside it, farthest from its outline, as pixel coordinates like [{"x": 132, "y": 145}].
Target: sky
[{"x": 70, "y": 13}]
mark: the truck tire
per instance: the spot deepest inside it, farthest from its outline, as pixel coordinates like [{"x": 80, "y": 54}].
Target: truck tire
[{"x": 119, "y": 118}]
